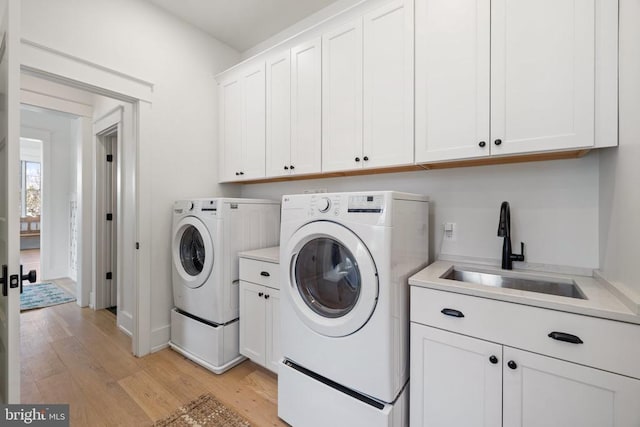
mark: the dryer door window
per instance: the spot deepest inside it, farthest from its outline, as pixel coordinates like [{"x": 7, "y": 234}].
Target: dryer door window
[
  {"x": 333, "y": 281},
  {"x": 328, "y": 277},
  {"x": 192, "y": 252}
]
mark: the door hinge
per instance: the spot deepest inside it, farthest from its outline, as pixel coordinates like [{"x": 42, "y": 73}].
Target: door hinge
[
  {"x": 109, "y": 275},
  {"x": 109, "y": 158},
  {"x": 109, "y": 217}
]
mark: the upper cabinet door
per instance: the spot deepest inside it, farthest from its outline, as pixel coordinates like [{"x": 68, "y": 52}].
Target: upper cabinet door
[
  {"x": 306, "y": 107},
  {"x": 230, "y": 95},
  {"x": 542, "y": 75},
  {"x": 452, "y": 79},
  {"x": 253, "y": 127},
  {"x": 279, "y": 115},
  {"x": 342, "y": 98},
  {"x": 388, "y": 85}
]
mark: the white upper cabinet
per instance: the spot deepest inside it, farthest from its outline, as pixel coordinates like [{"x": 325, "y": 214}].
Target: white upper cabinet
[
  {"x": 242, "y": 124},
  {"x": 542, "y": 75},
  {"x": 230, "y": 124},
  {"x": 306, "y": 107},
  {"x": 342, "y": 98},
  {"x": 278, "y": 115},
  {"x": 388, "y": 85},
  {"x": 508, "y": 77},
  {"x": 452, "y": 79}
]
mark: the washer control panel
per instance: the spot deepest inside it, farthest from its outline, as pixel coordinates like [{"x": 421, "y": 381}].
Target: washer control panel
[
  {"x": 323, "y": 204},
  {"x": 365, "y": 203}
]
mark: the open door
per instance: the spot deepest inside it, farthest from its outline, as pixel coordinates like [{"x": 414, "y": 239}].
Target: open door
[{"x": 9, "y": 201}]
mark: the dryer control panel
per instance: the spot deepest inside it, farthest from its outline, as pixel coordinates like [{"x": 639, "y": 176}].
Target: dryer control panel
[{"x": 365, "y": 203}]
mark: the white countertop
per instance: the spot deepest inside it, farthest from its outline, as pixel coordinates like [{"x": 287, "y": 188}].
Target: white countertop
[
  {"x": 271, "y": 254},
  {"x": 602, "y": 299}
]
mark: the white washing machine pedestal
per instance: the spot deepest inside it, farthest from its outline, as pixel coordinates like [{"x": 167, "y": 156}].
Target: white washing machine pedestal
[
  {"x": 304, "y": 401},
  {"x": 213, "y": 347}
]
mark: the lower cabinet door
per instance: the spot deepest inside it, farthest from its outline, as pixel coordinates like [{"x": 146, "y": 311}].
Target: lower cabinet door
[
  {"x": 541, "y": 391},
  {"x": 455, "y": 380},
  {"x": 252, "y": 313},
  {"x": 272, "y": 309}
]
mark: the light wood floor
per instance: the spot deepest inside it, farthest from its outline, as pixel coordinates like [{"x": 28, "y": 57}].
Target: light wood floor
[{"x": 79, "y": 356}]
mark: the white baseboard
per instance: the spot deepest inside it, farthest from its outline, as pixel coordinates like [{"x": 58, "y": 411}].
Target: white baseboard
[
  {"x": 125, "y": 322},
  {"x": 160, "y": 338}
]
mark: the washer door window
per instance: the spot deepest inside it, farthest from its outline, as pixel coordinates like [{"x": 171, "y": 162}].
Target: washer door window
[
  {"x": 192, "y": 252},
  {"x": 333, "y": 280}
]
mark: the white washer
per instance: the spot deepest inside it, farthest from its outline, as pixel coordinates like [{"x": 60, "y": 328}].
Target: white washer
[
  {"x": 207, "y": 236},
  {"x": 345, "y": 262}
]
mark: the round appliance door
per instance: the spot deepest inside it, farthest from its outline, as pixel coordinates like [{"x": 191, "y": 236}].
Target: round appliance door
[
  {"x": 333, "y": 282},
  {"x": 192, "y": 252}
]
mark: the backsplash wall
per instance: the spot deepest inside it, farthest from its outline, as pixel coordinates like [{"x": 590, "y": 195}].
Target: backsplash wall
[{"x": 554, "y": 206}]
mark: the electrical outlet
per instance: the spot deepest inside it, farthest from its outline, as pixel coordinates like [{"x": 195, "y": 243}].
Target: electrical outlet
[{"x": 450, "y": 231}]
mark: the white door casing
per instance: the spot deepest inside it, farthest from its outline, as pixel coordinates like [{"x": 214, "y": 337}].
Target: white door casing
[{"x": 9, "y": 192}]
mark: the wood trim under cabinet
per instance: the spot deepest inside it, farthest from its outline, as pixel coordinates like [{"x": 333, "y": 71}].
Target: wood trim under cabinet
[{"x": 485, "y": 161}]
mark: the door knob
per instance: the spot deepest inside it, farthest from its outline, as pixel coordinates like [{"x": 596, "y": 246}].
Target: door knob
[
  {"x": 511, "y": 364},
  {"x": 493, "y": 359},
  {"x": 482, "y": 144},
  {"x": 4, "y": 280},
  {"x": 365, "y": 158},
  {"x": 497, "y": 141},
  {"x": 31, "y": 276}
]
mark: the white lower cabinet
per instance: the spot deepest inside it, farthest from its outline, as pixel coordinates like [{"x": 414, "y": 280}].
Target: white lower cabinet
[
  {"x": 259, "y": 315},
  {"x": 460, "y": 380}
]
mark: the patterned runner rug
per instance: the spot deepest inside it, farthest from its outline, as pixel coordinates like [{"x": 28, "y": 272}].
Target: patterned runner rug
[
  {"x": 205, "y": 411},
  {"x": 43, "y": 295}
]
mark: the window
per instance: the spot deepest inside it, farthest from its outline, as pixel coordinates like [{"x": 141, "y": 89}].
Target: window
[{"x": 30, "y": 188}]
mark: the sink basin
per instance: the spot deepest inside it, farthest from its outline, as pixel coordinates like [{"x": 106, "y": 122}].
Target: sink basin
[{"x": 560, "y": 287}]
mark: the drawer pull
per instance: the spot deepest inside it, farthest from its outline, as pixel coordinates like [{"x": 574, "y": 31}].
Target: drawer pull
[
  {"x": 266, "y": 296},
  {"x": 561, "y": 336},
  {"x": 451, "y": 312},
  {"x": 260, "y": 294},
  {"x": 265, "y": 273}
]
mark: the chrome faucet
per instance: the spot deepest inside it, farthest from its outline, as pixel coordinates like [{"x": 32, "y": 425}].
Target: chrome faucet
[{"x": 504, "y": 230}]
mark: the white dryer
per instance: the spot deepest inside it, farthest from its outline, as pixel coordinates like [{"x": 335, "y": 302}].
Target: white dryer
[
  {"x": 207, "y": 236},
  {"x": 345, "y": 262}
]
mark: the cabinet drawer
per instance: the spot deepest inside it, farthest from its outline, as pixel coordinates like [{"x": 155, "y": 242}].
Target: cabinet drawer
[
  {"x": 260, "y": 272},
  {"x": 609, "y": 345}
]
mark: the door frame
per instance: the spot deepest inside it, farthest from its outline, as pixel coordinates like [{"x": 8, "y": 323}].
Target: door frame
[{"x": 76, "y": 72}]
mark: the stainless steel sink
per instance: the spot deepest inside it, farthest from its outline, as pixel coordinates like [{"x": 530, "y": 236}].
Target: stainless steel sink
[{"x": 560, "y": 287}]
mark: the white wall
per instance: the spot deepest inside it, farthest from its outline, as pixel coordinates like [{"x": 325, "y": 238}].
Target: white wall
[
  {"x": 178, "y": 159},
  {"x": 57, "y": 183},
  {"x": 619, "y": 171},
  {"x": 554, "y": 207}
]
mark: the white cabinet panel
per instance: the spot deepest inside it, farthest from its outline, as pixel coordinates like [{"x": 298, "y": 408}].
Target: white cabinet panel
[
  {"x": 230, "y": 96},
  {"x": 542, "y": 75},
  {"x": 388, "y": 85},
  {"x": 278, "y": 114},
  {"x": 306, "y": 107},
  {"x": 454, "y": 380},
  {"x": 252, "y": 315},
  {"x": 253, "y": 141},
  {"x": 272, "y": 311},
  {"x": 452, "y": 79},
  {"x": 342, "y": 98},
  {"x": 542, "y": 391}
]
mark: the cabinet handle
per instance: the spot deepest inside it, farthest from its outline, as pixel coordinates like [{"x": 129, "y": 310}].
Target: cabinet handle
[
  {"x": 260, "y": 294},
  {"x": 451, "y": 312},
  {"x": 237, "y": 173},
  {"x": 561, "y": 336},
  {"x": 292, "y": 167},
  {"x": 497, "y": 141},
  {"x": 265, "y": 273},
  {"x": 493, "y": 359},
  {"x": 286, "y": 168},
  {"x": 511, "y": 364},
  {"x": 266, "y": 296},
  {"x": 365, "y": 158},
  {"x": 482, "y": 144},
  {"x": 357, "y": 159}
]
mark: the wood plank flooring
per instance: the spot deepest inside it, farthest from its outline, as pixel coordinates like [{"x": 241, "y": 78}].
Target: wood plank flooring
[{"x": 79, "y": 356}]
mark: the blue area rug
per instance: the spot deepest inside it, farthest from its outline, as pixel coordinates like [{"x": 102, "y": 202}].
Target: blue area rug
[{"x": 43, "y": 295}]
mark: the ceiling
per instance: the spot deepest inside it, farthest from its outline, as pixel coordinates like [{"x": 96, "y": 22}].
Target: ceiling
[{"x": 242, "y": 23}]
